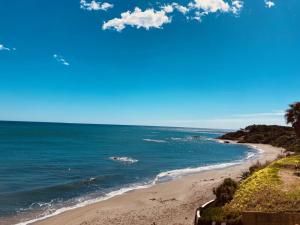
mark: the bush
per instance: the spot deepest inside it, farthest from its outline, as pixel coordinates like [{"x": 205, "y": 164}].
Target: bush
[
  {"x": 224, "y": 193},
  {"x": 245, "y": 174},
  {"x": 255, "y": 167}
]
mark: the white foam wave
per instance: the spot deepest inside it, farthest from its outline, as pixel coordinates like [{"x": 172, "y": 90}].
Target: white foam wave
[
  {"x": 124, "y": 159},
  {"x": 154, "y": 140},
  {"x": 164, "y": 176},
  {"x": 87, "y": 202},
  {"x": 260, "y": 151},
  {"x": 189, "y": 138},
  {"x": 250, "y": 155},
  {"x": 176, "y": 139},
  {"x": 172, "y": 174}
]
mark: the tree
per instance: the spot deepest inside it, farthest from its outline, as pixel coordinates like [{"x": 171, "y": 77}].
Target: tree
[{"x": 292, "y": 116}]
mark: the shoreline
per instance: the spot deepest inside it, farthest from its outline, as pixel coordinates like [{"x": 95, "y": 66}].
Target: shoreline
[{"x": 171, "y": 202}]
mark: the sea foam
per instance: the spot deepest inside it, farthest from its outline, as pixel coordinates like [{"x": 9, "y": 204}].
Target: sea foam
[
  {"x": 173, "y": 174},
  {"x": 154, "y": 140},
  {"x": 124, "y": 159}
]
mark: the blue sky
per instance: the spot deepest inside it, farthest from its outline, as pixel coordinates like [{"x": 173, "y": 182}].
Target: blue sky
[{"x": 196, "y": 63}]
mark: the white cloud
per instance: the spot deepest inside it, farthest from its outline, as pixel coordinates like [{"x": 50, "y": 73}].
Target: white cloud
[
  {"x": 170, "y": 8},
  {"x": 269, "y": 4},
  {"x": 3, "y": 48},
  {"x": 93, "y": 5},
  {"x": 181, "y": 8},
  {"x": 151, "y": 18},
  {"x": 198, "y": 16},
  {"x": 167, "y": 8},
  {"x": 236, "y": 6},
  {"x": 205, "y": 7},
  {"x": 61, "y": 60},
  {"x": 146, "y": 19},
  {"x": 210, "y": 6}
]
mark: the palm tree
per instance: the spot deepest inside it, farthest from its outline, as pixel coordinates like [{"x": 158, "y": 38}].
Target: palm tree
[{"x": 292, "y": 116}]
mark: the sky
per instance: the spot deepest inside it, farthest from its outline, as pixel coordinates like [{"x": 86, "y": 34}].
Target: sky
[{"x": 188, "y": 63}]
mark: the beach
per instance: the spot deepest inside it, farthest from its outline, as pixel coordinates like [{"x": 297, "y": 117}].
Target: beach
[{"x": 169, "y": 203}]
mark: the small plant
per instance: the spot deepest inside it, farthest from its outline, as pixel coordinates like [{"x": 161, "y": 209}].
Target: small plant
[
  {"x": 245, "y": 174},
  {"x": 258, "y": 166}
]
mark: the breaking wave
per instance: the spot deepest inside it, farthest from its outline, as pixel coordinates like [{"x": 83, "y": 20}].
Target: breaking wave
[
  {"x": 124, "y": 159},
  {"x": 173, "y": 174},
  {"x": 154, "y": 140}
]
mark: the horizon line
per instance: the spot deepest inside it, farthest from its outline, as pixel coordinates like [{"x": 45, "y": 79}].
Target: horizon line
[{"x": 111, "y": 124}]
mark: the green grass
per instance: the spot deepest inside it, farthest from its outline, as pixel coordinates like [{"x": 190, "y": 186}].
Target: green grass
[
  {"x": 263, "y": 191},
  {"x": 286, "y": 162},
  {"x": 252, "y": 192},
  {"x": 213, "y": 214}
]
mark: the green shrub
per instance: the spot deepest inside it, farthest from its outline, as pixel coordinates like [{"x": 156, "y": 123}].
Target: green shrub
[{"x": 224, "y": 192}]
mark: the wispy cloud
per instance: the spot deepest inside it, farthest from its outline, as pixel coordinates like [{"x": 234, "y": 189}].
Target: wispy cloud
[
  {"x": 230, "y": 122},
  {"x": 61, "y": 59},
  {"x": 171, "y": 7},
  {"x": 4, "y": 48},
  {"x": 264, "y": 114},
  {"x": 210, "y": 6},
  {"x": 237, "y": 6},
  {"x": 146, "y": 19},
  {"x": 269, "y": 4},
  {"x": 93, "y": 5}
]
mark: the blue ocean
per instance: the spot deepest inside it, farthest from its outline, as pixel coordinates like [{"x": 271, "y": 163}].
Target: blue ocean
[{"x": 45, "y": 167}]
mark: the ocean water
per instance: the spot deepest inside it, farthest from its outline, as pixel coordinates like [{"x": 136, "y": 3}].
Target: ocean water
[{"x": 47, "y": 167}]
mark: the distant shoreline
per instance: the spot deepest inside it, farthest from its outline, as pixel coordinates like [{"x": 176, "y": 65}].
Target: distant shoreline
[{"x": 157, "y": 203}]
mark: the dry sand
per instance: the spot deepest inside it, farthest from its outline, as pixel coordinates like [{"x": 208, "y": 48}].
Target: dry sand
[{"x": 170, "y": 203}]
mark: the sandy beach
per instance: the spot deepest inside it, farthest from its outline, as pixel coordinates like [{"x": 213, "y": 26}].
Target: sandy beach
[{"x": 170, "y": 203}]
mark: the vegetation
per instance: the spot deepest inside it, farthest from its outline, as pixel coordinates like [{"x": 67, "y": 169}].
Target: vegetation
[
  {"x": 267, "y": 191},
  {"x": 224, "y": 192},
  {"x": 293, "y": 117},
  {"x": 255, "y": 191},
  {"x": 269, "y": 187},
  {"x": 255, "y": 167},
  {"x": 278, "y": 136},
  {"x": 273, "y": 187}
]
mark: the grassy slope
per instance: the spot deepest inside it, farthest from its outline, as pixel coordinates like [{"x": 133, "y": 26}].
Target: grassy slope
[{"x": 266, "y": 190}]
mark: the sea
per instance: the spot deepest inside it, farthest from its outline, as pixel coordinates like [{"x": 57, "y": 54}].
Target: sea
[{"x": 48, "y": 168}]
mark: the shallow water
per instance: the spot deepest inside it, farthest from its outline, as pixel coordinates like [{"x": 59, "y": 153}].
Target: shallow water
[{"x": 46, "y": 166}]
